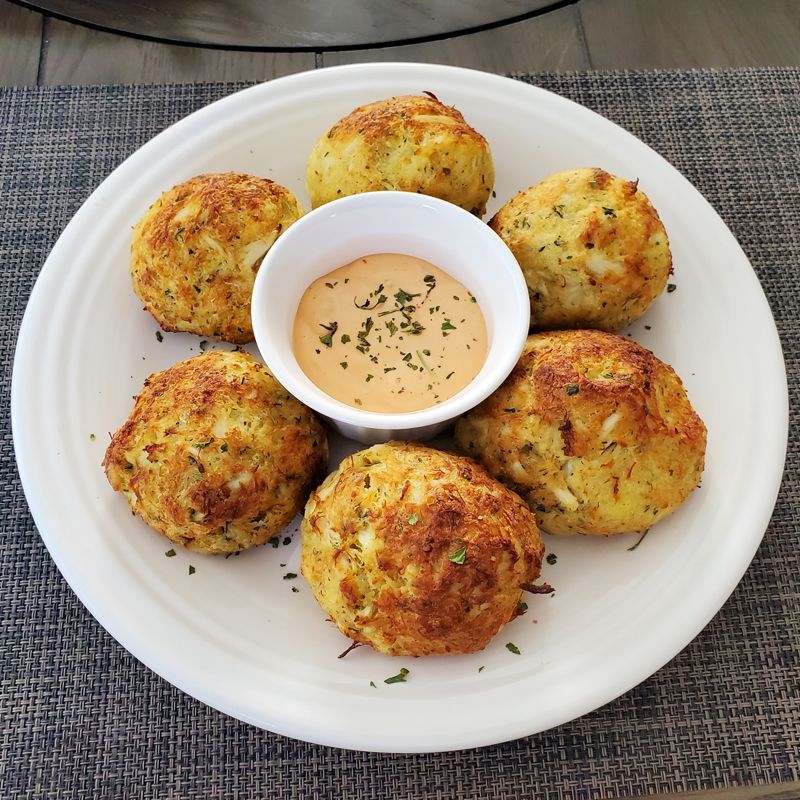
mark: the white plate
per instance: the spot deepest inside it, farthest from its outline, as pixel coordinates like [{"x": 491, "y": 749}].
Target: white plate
[{"x": 233, "y": 635}]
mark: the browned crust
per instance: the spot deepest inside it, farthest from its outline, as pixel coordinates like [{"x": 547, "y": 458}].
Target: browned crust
[
  {"x": 406, "y": 143},
  {"x": 175, "y": 273},
  {"x": 436, "y": 610},
  {"x": 589, "y": 212},
  {"x": 555, "y": 406},
  {"x": 415, "y": 115},
  {"x": 184, "y": 491}
]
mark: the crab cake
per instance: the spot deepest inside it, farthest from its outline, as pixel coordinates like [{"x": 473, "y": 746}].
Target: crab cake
[
  {"x": 416, "y": 551},
  {"x": 196, "y": 251},
  {"x": 408, "y": 144},
  {"x": 591, "y": 246},
  {"x": 216, "y": 455},
  {"x": 593, "y": 431}
]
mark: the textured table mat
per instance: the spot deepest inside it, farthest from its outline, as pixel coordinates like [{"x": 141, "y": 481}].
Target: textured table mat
[{"x": 81, "y": 718}]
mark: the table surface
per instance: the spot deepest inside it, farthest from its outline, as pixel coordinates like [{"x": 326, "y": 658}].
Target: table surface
[
  {"x": 305, "y": 24},
  {"x": 584, "y": 34},
  {"x": 84, "y": 718}
]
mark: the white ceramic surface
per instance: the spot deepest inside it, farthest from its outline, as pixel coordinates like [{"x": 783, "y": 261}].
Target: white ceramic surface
[
  {"x": 233, "y": 634},
  {"x": 391, "y": 222}
]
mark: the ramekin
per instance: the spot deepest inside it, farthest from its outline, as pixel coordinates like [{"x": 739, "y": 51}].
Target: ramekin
[{"x": 390, "y": 222}]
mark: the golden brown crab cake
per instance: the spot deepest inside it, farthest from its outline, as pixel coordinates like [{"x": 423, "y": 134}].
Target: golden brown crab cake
[
  {"x": 591, "y": 246},
  {"x": 593, "y": 431},
  {"x": 417, "y": 551},
  {"x": 216, "y": 455},
  {"x": 406, "y": 144},
  {"x": 197, "y": 249}
]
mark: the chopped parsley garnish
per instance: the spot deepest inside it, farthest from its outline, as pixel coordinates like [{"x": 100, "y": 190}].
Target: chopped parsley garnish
[
  {"x": 201, "y": 445},
  {"x": 290, "y": 576},
  {"x": 448, "y": 326},
  {"x": 203, "y": 346},
  {"x": 571, "y": 389},
  {"x": 92, "y": 436},
  {"x": 331, "y": 329},
  {"x": 372, "y": 684},
  {"x": 343, "y": 364},
  {"x": 671, "y": 287},
  {"x": 557, "y": 210},
  {"x": 551, "y": 558},
  {"x": 639, "y": 541},
  {"x": 192, "y": 570},
  {"x": 345, "y": 338},
  {"x": 458, "y": 556},
  {"x": 170, "y": 553},
  {"x": 403, "y": 296},
  {"x": 511, "y": 647},
  {"x": 481, "y": 669},
  {"x": 399, "y": 678},
  {"x": 609, "y": 212},
  {"x": 224, "y": 447},
  {"x": 413, "y": 519},
  {"x": 159, "y": 336},
  {"x": 522, "y": 607}
]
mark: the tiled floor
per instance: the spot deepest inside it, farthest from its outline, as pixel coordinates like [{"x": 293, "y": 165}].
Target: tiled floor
[{"x": 601, "y": 34}]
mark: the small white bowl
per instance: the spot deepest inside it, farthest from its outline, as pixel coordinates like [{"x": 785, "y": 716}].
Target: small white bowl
[{"x": 391, "y": 222}]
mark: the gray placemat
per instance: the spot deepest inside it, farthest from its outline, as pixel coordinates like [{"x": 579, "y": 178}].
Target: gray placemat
[{"x": 82, "y": 718}]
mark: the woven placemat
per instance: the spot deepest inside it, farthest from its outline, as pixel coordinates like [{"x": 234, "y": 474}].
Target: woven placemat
[{"x": 81, "y": 718}]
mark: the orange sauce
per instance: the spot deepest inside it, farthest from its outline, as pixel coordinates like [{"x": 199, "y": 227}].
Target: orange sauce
[{"x": 389, "y": 333}]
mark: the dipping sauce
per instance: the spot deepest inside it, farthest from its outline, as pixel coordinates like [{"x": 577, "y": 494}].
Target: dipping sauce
[{"x": 389, "y": 333}]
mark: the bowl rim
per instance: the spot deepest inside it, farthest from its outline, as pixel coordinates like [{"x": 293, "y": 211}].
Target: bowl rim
[{"x": 477, "y": 390}]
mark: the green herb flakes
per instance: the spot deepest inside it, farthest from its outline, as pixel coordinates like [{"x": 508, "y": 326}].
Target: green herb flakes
[
  {"x": 92, "y": 437},
  {"x": 399, "y": 678},
  {"x": 458, "y": 556},
  {"x": 372, "y": 684},
  {"x": 481, "y": 669},
  {"x": 345, "y": 338},
  {"x": 512, "y": 648},
  {"x": 413, "y": 519},
  {"x": 671, "y": 287},
  {"x": 290, "y": 576},
  {"x": 551, "y": 558},
  {"x": 571, "y": 389},
  {"x": 639, "y": 541},
  {"x": 331, "y": 329},
  {"x": 170, "y": 553},
  {"x": 159, "y": 336},
  {"x": 192, "y": 570},
  {"x": 343, "y": 364}
]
